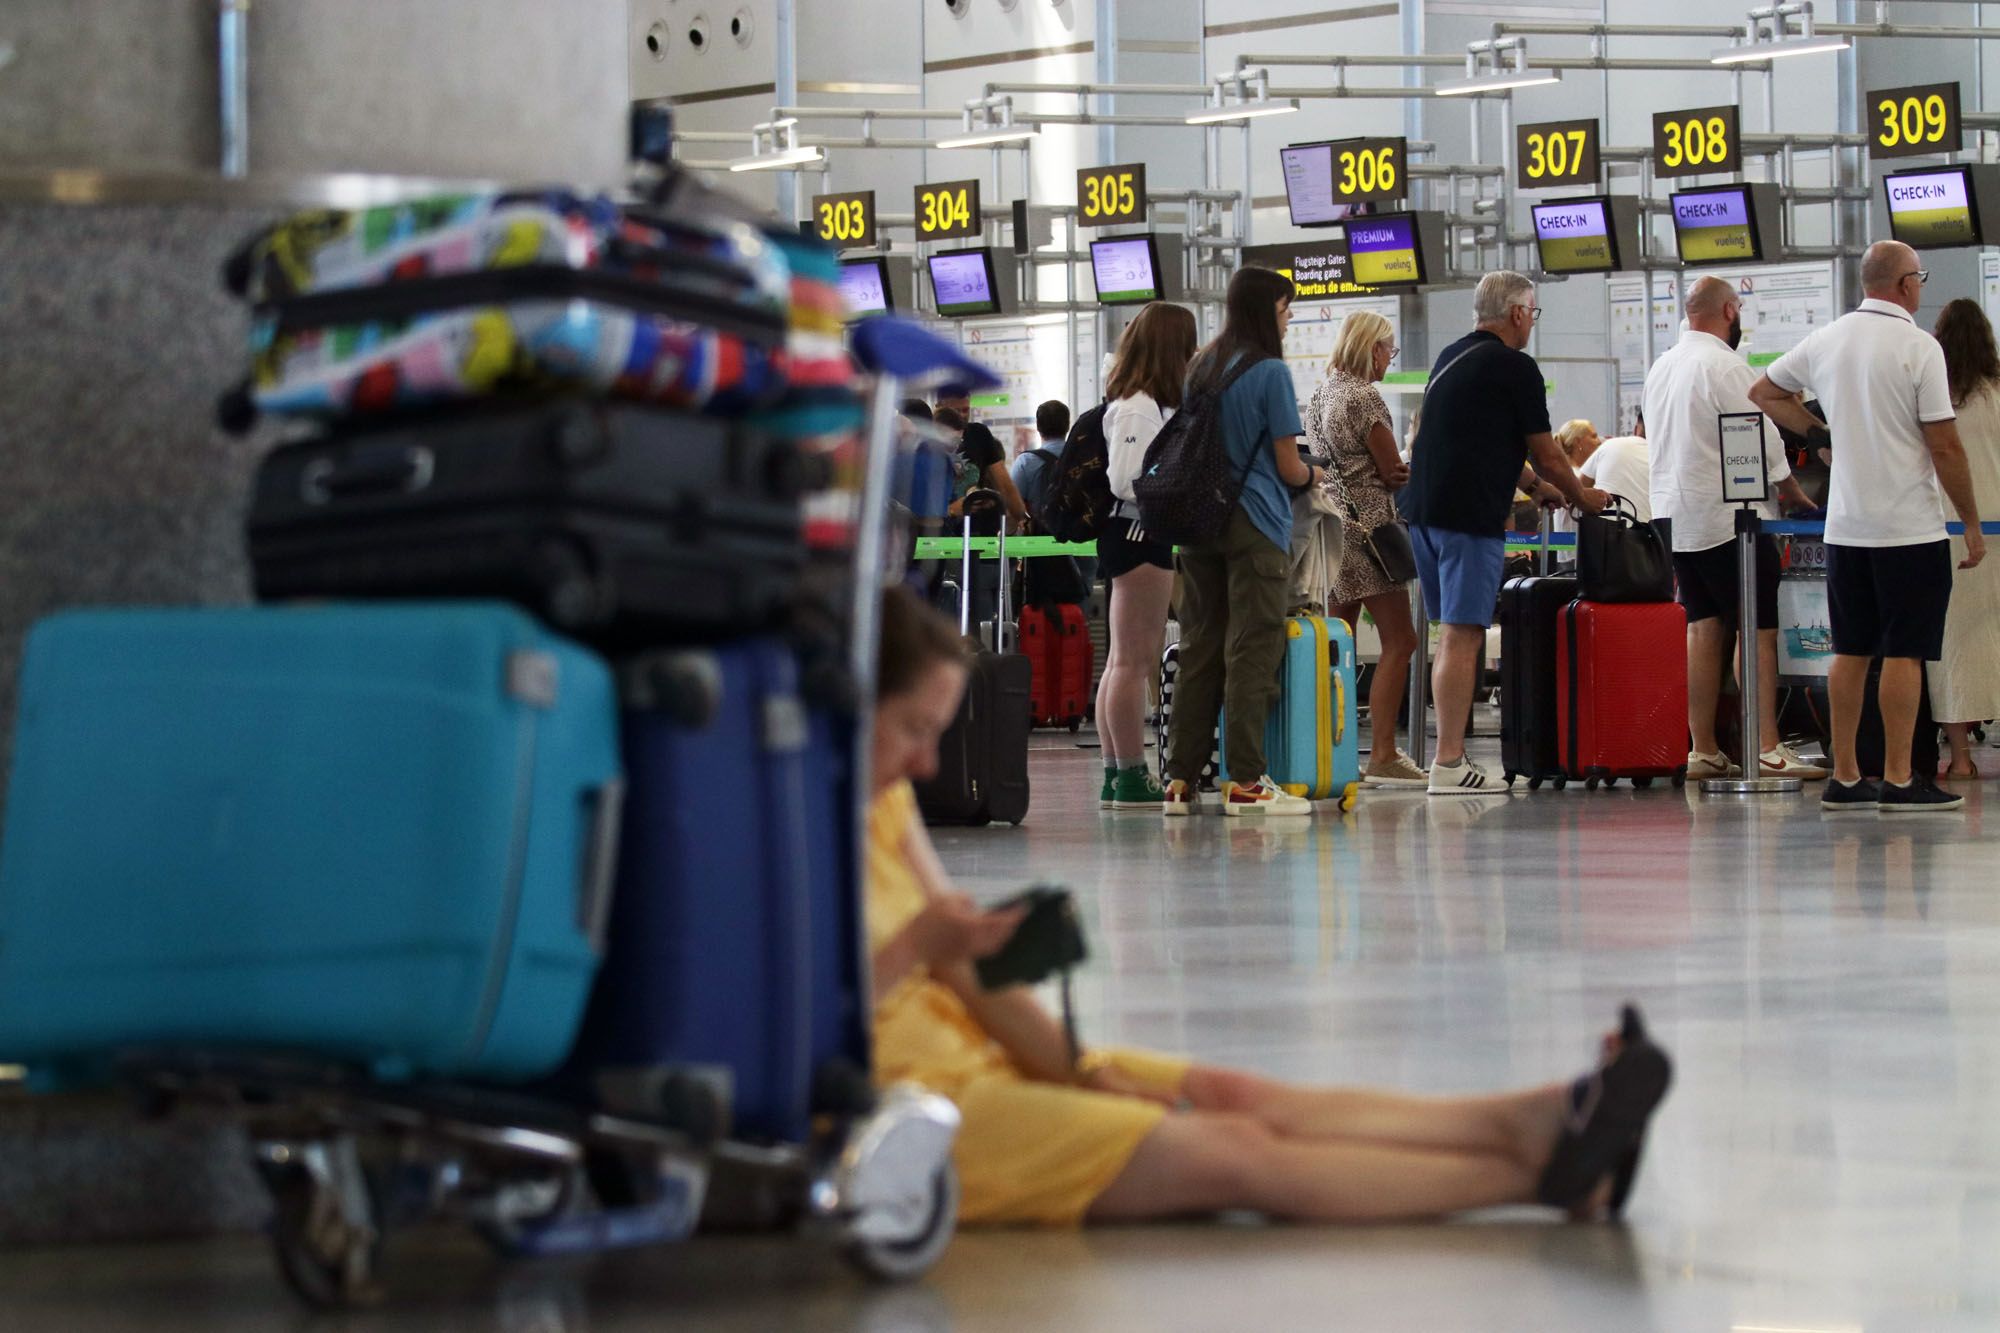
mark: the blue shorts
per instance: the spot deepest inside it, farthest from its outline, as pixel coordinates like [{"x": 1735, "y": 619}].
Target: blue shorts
[{"x": 1460, "y": 574}]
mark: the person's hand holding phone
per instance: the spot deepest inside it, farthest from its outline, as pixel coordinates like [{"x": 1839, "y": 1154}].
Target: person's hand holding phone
[{"x": 955, "y": 929}]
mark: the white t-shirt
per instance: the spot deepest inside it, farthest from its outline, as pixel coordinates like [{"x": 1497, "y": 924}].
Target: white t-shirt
[
  {"x": 1880, "y": 379},
  {"x": 1129, "y": 427},
  {"x": 1694, "y": 383},
  {"x": 1623, "y": 465}
]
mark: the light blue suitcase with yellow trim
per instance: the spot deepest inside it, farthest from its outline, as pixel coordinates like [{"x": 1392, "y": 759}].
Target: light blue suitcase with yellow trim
[{"x": 1311, "y": 745}]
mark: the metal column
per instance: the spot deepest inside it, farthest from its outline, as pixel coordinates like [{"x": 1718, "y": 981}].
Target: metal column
[{"x": 1749, "y": 527}]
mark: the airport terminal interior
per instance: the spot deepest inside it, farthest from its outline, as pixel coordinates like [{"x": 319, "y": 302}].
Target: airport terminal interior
[{"x": 502, "y": 500}]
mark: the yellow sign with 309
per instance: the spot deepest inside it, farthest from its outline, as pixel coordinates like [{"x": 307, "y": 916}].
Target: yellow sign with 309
[
  {"x": 845, "y": 221},
  {"x": 1111, "y": 196},
  {"x": 1913, "y": 122},
  {"x": 949, "y": 211}
]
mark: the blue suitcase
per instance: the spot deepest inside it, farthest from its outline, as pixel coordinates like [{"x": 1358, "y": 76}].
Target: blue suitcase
[
  {"x": 1311, "y": 743},
  {"x": 378, "y": 834},
  {"x": 735, "y": 936}
]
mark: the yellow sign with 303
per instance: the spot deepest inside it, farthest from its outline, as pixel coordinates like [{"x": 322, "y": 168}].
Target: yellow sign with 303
[{"x": 846, "y": 221}]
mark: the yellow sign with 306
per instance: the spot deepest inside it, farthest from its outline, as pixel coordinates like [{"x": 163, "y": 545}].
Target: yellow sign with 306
[
  {"x": 1369, "y": 169},
  {"x": 1111, "y": 196},
  {"x": 948, "y": 211}
]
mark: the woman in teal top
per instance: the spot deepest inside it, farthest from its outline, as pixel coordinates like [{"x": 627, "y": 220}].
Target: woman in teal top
[{"x": 1235, "y": 590}]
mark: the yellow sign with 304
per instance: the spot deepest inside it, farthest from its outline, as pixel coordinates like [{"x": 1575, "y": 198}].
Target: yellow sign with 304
[{"x": 948, "y": 211}]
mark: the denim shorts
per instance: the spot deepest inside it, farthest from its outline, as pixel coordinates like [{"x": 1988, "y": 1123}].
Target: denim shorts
[{"x": 1460, "y": 573}]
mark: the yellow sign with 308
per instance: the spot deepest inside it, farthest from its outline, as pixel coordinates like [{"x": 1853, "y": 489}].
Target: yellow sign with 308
[
  {"x": 1697, "y": 143},
  {"x": 1111, "y": 196},
  {"x": 1913, "y": 122},
  {"x": 948, "y": 211}
]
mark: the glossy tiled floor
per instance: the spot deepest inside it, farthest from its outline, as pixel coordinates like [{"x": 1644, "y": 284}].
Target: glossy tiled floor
[{"x": 1830, "y": 1159}]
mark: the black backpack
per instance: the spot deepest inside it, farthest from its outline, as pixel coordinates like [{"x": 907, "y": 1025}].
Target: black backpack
[
  {"x": 1076, "y": 492},
  {"x": 1188, "y": 487}
]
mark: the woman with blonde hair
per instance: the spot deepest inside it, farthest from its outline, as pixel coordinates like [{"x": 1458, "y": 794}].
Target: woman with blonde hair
[
  {"x": 1144, "y": 387},
  {"x": 1347, "y": 423},
  {"x": 1965, "y": 681},
  {"x": 1579, "y": 440}
]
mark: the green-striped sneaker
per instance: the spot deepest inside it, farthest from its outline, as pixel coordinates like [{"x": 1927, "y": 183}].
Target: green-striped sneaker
[
  {"x": 1137, "y": 789},
  {"x": 1107, "y": 797}
]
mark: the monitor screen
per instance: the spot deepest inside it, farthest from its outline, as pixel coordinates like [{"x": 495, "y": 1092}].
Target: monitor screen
[
  {"x": 1931, "y": 208},
  {"x": 1127, "y": 269},
  {"x": 1309, "y": 185},
  {"x": 1574, "y": 236},
  {"x": 864, "y": 287},
  {"x": 963, "y": 281},
  {"x": 1715, "y": 226},
  {"x": 1384, "y": 252}
]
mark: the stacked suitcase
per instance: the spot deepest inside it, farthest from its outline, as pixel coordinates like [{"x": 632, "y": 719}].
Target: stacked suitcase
[{"x": 543, "y": 821}]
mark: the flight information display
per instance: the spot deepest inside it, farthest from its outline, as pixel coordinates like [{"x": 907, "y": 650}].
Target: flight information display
[
  {"x": 964, "y": 283},
  {"x": 1309, "y": 185},
  {"x": 1574, "y": 236},
  {"x": 1384, "y": 251},
  {"x": 1716, "y": 226},
  {"x": 1931, "y": 208},
  {"x": 1126, "y": 268},
  {"x": 864, "y": 287}
]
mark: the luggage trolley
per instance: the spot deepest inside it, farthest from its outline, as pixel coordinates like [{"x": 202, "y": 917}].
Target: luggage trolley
[{"x": 551, "y": 1169}]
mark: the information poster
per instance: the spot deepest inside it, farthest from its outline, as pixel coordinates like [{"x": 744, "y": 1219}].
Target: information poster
[
  {"x": 1989, "y": 283},
  {"x": 1627, "y": 295},
  {"x": 1315, "y": 328},
  {"x": 1031, "y": 361}
]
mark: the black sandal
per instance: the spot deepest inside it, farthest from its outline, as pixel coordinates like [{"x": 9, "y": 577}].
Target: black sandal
[{"x": 1606, "y": 1129}]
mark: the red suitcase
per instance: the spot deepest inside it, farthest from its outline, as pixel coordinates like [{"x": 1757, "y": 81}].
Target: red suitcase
[
  {"x": 1621, "y": 676},
  {"x": 1056, "y": 641}
]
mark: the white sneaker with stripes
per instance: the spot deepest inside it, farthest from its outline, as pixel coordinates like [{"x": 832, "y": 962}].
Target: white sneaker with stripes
[{"x": 1465, "y": 778}]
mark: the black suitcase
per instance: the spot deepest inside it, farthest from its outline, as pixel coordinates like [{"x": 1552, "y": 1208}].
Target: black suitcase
[
  {"x": 982, "y": 775},
  {"x": 620, "y": 524},
  {"x": 1529, "y": 611}
]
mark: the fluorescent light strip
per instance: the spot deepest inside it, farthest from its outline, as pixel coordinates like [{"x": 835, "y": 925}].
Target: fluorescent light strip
[
  {"x": 1792, "y": 46},
  {"x": 990, "y": 138},
  {"x": 1224, "y": 115},
  {"x": 1497, "y": 83},
  {"x": 790, "y": 157}
]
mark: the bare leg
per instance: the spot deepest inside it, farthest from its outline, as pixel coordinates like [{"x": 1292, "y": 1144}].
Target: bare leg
[
  {"x": 1708, "y": 646},
  {"x": 1846, "y": 683},
  {"x": 1960, "y": 736},
  {"x": 1521, "y": 1126},
  {"x": 1392, "y": 673},
  {"x": 1138, "y": 628},
  {"x": 1452, "y": 681},
  {"x": 1902, "y": 688},
  {"x": 1203, "y": 1162},
  {"x": 1767, "y": 691}
]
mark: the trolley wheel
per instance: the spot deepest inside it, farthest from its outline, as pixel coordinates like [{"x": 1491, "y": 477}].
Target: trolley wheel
[
  {"x": 1534, "y": 784},
  {"x": 1680, "y": 779},
  {"x": 550, "y": 1201},
  {"x": 1561, "y": 783},
  {"x": 905, "y": 1260},
  {"x": 1075, "y": 725},
  {"x": 1609, "y": 783},
  {"x": 1590, "y": 783},
  {"x": 328, "y": 1263},
  {"x": 1348, "y": 796},
  {"x": 1642, "y": 783}
]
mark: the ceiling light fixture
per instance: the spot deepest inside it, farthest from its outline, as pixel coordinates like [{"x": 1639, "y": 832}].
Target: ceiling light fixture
[
  {"x": 1241, "y": 111},
  {"x": 785, "y": 159},
  {"x": 1789, "y": 46},
  {"x": 990, "y": 138},
  {"x": 1497, "y": 83}
]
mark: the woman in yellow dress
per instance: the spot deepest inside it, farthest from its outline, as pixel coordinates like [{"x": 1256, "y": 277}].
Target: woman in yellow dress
[{"x": 1124, "y": 1135}]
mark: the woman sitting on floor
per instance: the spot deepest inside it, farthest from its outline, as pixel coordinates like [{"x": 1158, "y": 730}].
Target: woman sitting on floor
[{"x": 1122, "y": 1135}]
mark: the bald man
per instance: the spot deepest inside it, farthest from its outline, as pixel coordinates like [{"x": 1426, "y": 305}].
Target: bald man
[
  {"x": 1687, "y": 390},
  {"x": 1882, "y": 382}
]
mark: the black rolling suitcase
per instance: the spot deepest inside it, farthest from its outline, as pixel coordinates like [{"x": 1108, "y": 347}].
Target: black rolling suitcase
[
  {"x": 1529, "y": 612},
  {"x": 982, "y": 775},
  {"x": 618, "y": 523}
]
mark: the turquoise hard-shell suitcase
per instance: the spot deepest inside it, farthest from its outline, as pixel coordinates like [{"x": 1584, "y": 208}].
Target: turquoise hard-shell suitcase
[
  {"x": 379, "y": 834},
  {"x": 1311, "y": 746}
]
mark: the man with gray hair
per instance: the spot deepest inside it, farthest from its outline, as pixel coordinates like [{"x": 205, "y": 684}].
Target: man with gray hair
[
  {"x": 1485, "y": 413},
  {"x": 1881, "y": 381}
]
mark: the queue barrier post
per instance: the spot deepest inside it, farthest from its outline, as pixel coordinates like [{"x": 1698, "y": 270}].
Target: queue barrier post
[{"x": 1749, "y": 527}]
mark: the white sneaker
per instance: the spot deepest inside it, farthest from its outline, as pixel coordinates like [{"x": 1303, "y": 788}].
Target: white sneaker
[
  {"x": 1715, "y": 765},
  {"x": 1465, "y": 778},
  {"x": 1402, "y": 771},
  {"x": 1262, "y": 797},
  {"x": 1781, "y": 762}
]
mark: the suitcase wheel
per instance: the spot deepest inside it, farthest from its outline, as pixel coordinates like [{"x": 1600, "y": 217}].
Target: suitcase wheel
[
  {"x": 1559, "y": 783},
  {"x": 1590, "y": 783},
  {"x": 329, "y": 1259},
  {"x": 902, "y": 1261},
  {"x": 1348, "y": 796},
  {"x": 1681, "y": 778},
  {"x": 1534, "y": 784},
  {"x": 1642, "y": 783},
  {"x": 1075, "y": 725}
]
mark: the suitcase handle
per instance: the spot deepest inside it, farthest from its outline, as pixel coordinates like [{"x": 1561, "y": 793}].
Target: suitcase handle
[
  {"x": 407, "y": 469},
  {"x": 600, "y": 862}
]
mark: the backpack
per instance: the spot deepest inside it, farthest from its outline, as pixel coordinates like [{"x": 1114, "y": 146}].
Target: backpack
[
  {"x": 1076, "y": 496},
  {"x": 1187, "y": 487}
]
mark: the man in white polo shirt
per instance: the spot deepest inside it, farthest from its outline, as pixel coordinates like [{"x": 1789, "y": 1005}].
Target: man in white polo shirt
[
  {"x": 1688, "y": 389},
  {"x": 1881, "y": 380}
]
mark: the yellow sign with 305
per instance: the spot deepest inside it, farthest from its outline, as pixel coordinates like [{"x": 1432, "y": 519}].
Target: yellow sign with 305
[
  {"x": 1111, "y": 196},
  {"x": 948, "y": 211}
]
